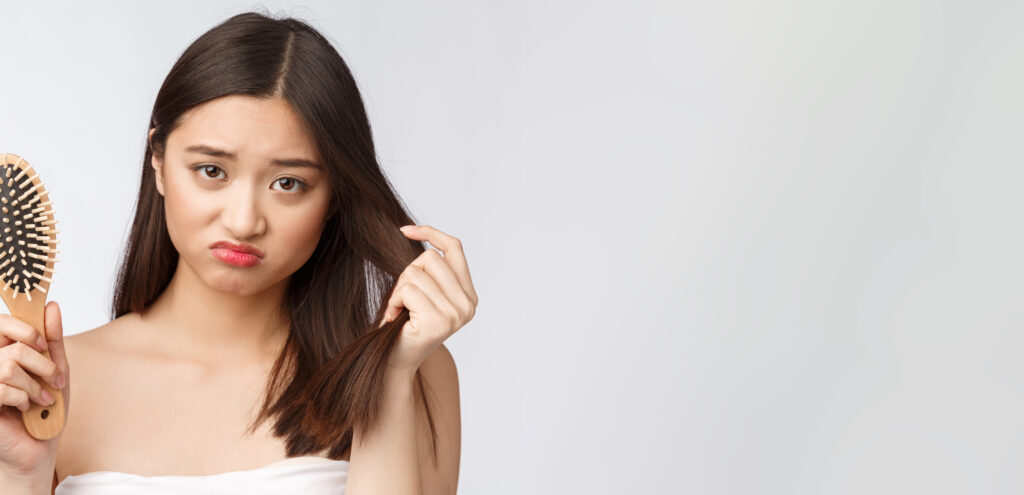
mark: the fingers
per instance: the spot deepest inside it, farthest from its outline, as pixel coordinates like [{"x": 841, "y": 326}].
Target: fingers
[
  {"x": 53, "y": 323},
  {"x": 434, "y": 265},
  {"x": 426, "y": 284},
  {"x": 410, "y": 295},
  {"x": 443, "y": 278},
  {"x": 453, "y": 253},
  {"x": 423, "y": 281},
  {"x": 15, "y": 362},
  {"x": 21, "y": 357},
  {"x": 404, "y": 294},
  {"x": 415, "y": 275},
  {"x": 55, "y": 339},
  {"x": 11, "y": 396},
  {"x": 30, "y": 360},
  {"x": 394, "y": 305},
  {"x": 14, "y": 330},
  {"x": 20, "y": 387}
]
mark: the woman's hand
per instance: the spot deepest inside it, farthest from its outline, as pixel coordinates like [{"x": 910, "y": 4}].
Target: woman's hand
[
  {"x": 22, "y": 455},
  {"x": 439, "y": 294}
]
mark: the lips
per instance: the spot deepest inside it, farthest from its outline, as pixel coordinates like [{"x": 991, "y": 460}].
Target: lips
[
  {"x": 241, "y": 248},
  {"x": 242, "y": 255}
]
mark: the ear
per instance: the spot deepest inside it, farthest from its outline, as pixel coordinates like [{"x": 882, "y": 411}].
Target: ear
[{"x": 158, "y": 165}]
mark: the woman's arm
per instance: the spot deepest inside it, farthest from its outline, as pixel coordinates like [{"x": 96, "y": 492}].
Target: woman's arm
[
  {"x": 396, "y": 458},
  {"x": 442, "y": 392},
  {"x": 437, "y": 290},
  {"x": 385, "y": 460}
]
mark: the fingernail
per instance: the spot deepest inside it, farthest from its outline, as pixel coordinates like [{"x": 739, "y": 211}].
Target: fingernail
[
  {"x": 47, "y": 398},
  {"x": 405, "y": 228},
  {"x": 41, "y": 343}
]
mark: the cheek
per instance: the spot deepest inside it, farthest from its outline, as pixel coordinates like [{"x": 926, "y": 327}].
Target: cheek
[
  {"x": 298, "y": 232},
  {"x": 182, "y": 211},
  {"x": 172, "y": 209},
  {"x": 299, "y": 236}
]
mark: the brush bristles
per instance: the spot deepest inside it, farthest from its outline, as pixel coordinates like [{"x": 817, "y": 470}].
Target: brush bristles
[{"x": 27, "y": 230}]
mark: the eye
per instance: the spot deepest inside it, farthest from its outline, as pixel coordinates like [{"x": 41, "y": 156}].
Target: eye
[
  {"x": 290, "y": 184},
  {"x": 207, "y": 170}
]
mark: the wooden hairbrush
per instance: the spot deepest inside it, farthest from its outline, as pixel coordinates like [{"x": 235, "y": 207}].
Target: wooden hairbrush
[{"x": 28, "y": 241}]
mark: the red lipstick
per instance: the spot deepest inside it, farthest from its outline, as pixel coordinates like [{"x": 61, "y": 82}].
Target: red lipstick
[{"x": 242, "y": 255}]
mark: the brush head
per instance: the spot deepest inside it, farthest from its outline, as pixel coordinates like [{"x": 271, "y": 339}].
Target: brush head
[{"x": 28, "y": 233}]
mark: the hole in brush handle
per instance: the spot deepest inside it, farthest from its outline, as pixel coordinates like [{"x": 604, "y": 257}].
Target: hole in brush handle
[{"x": 45, "y": 414}]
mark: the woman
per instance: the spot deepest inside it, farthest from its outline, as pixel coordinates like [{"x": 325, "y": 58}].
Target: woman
[{"x": 274, "y": 330}]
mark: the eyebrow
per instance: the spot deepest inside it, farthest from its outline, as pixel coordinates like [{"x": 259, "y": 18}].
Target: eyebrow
[{"x": 219, "y": 153}]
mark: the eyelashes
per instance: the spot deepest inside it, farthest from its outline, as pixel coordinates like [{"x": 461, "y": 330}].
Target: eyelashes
[{"x": 296, "y": 185}]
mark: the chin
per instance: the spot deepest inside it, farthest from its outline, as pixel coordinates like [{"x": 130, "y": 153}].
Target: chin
[
  {"x": 238, "y": 286},
  {"x": 232, "y": 287},
  {"x": 231, "y": 280}
]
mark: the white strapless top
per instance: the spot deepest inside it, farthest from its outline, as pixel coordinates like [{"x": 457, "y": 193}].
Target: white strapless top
[{"x": 306, "y": 474}]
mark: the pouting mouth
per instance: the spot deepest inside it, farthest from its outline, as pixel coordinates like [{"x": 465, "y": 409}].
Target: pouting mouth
[{"x": 242, "y": 248}]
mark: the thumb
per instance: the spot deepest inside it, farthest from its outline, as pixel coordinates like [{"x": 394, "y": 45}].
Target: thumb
[{"x": 55, "y": 337}]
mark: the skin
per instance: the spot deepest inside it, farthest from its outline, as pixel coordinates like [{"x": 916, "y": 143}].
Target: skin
[{"x": 185, "y": 376}]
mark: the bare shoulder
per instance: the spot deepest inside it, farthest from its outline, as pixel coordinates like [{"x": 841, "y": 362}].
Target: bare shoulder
[
  {"x": 87, "y": 355},
  {"x": 87, "y": 345},
  {"x": 96, "y": 356}
]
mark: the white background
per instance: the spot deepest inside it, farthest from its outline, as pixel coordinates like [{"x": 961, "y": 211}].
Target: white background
[{"x": 720, "y": 247}]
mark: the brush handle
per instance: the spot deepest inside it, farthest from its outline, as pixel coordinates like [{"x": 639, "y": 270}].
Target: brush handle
[{"x": 42, "y": 422}]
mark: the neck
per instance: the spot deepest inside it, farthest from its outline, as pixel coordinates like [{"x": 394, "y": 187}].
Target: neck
[{"x": 201, "y": 324}]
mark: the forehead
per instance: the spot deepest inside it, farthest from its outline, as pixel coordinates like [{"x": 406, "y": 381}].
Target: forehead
[{"x": 260, "y": 129}]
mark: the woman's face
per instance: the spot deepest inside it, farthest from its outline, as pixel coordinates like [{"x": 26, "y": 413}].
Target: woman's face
[{"x": 237, "y": 169}]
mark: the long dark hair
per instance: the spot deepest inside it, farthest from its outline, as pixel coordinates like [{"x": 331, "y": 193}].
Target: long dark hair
[{"x": 329, "y": 375}]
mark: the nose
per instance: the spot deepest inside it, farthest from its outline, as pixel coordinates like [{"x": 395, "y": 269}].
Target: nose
[{"x": 242, "y": 215}]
